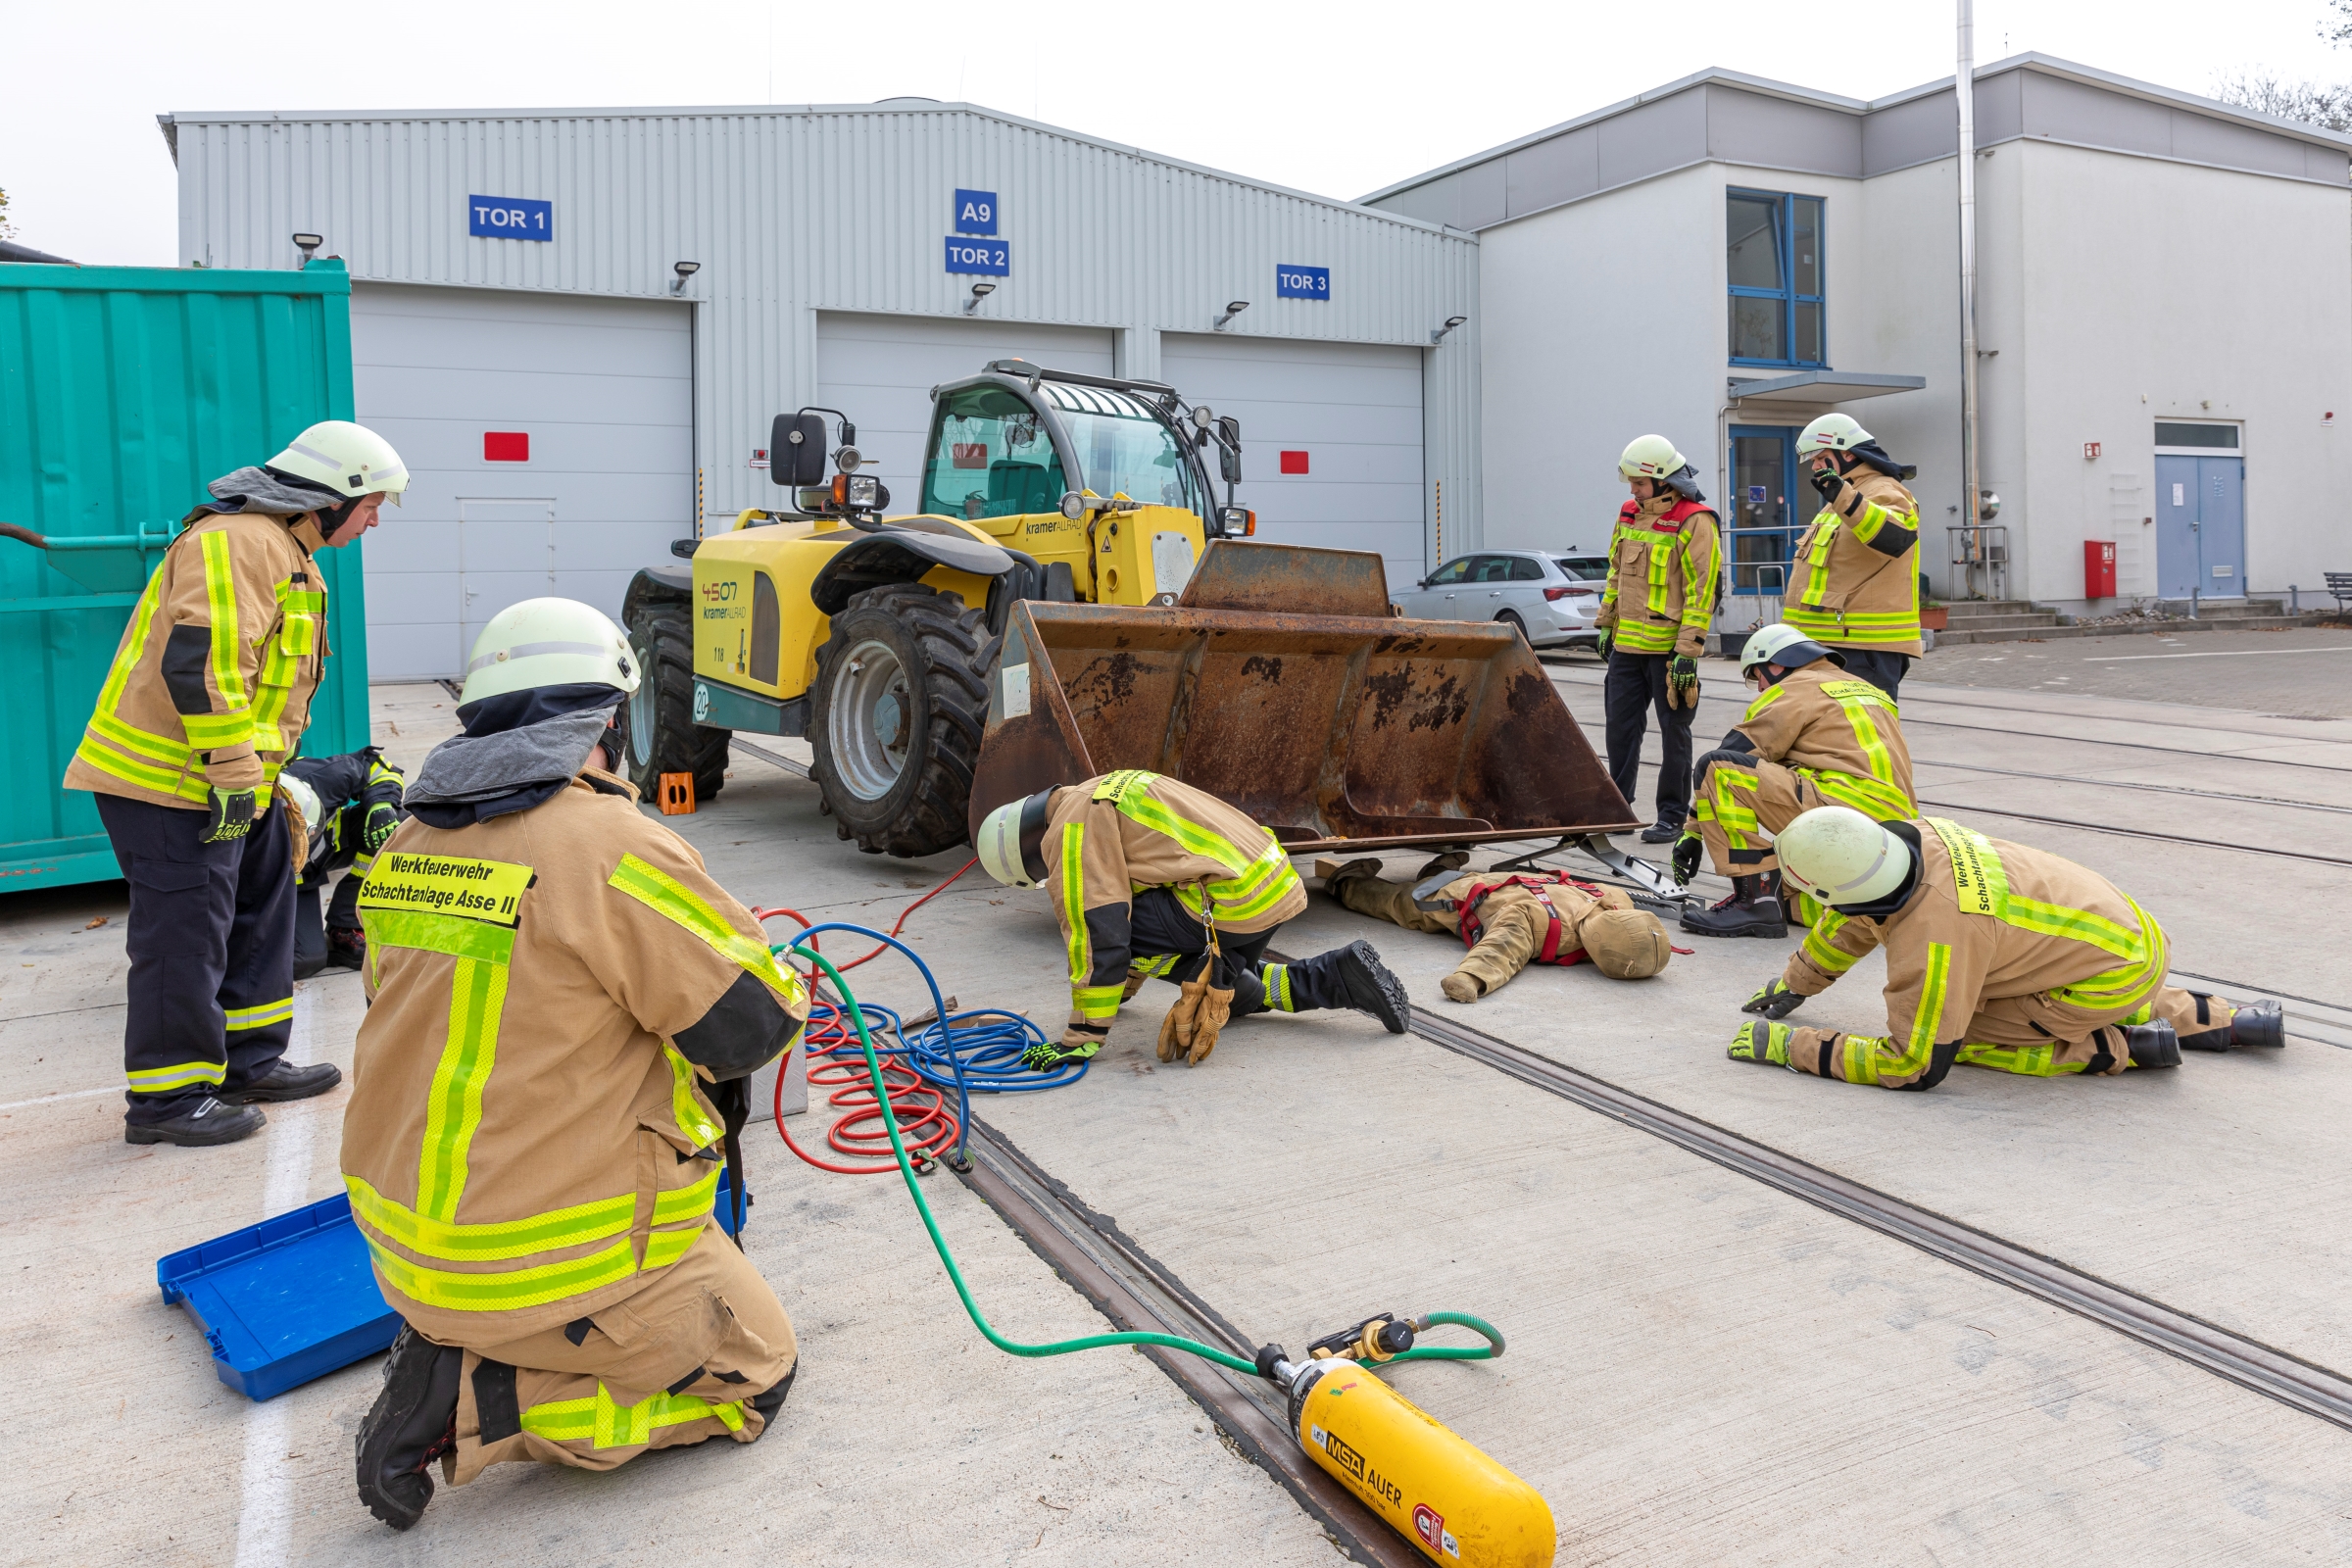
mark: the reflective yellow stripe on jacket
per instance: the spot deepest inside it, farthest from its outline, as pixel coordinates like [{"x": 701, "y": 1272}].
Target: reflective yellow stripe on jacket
[
  {"x": 2142, "y": 957},
  {"x": 603, "y": 1424},
  {"x": 1260, "y": 881}
]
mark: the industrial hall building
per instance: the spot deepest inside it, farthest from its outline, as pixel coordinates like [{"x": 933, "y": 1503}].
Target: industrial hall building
[
  {"x": 579, "y": 323},
  {"x": 2163, "y": 323}
]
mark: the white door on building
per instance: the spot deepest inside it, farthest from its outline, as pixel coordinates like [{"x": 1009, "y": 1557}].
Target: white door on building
[
  {"x": 880, "y": 370},
  {"x": 550, "y": 444},
  {"x": 1331, "y": 438}
]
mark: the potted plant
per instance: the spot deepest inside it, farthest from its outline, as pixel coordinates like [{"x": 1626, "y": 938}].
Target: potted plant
[{"x": 1935, "y": 614}]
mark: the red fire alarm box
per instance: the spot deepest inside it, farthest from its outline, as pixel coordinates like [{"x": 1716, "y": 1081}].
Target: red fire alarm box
[
  {"x": 1294, "y": 463},
  {"x": 2098, "y": 568},
  {"x": 506, "y": 446}
]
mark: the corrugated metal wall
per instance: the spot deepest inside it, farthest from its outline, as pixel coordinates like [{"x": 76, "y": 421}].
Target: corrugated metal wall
[{"x": 791, "y": 210}]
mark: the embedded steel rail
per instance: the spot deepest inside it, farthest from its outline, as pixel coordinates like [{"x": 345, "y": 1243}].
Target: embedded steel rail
[
  {"x": 1136, "y": 1291},
  {"x": 2301, "y": 1384}
]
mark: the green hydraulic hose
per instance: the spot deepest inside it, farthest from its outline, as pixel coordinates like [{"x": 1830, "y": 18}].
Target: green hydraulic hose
[{"x": 1089, "y": 1342}]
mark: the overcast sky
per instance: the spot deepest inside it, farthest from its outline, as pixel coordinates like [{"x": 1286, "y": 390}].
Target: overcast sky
[{"x": 1334, "y": 99}]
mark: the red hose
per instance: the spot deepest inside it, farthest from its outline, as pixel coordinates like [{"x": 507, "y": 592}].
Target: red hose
[{"x": 858, "y": 1130}]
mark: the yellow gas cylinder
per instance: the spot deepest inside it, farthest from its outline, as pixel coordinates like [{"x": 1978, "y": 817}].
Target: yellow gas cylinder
[{"x": 1440, "y": 1492}]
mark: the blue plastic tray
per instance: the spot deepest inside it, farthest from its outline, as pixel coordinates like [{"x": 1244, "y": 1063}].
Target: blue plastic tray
[
  {"x": 294, "y": 1298},
  {"x": 284, "y": 1301}
]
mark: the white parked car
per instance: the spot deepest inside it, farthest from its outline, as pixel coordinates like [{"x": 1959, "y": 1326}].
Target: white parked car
[{"x": 1551, "y": 597}]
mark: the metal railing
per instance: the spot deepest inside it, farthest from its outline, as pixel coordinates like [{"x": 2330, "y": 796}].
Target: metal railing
[{"x": 1979, "y": 555}]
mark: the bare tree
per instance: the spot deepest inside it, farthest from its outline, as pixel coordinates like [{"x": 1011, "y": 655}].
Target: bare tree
[
  {"x": 8, "y": 231},
  {"x": 2316, "y": 103}
]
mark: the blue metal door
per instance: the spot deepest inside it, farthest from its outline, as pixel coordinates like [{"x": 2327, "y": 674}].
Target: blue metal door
[
  {"x": 2221, "y": 526},
  {"x": 2201, "y": 527}
]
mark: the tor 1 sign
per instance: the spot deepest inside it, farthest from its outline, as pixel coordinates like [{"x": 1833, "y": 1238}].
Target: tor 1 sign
[{"x": 510, "y": 217}]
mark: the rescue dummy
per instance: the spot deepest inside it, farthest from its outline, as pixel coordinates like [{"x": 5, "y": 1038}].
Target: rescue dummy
[
  {"x": 1508, "y": 920},
  {"x": 563, "y": 1009},
  {"x": 1814, "y": 736},
  {"x": 1152, "y": 878},
  {"x": 1998, "y": 956}
]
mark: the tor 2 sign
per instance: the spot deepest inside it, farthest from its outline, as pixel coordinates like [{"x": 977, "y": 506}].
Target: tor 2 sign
[
  {"x": 510, "y": 217},
  {"x": 1301, "y": 282}
]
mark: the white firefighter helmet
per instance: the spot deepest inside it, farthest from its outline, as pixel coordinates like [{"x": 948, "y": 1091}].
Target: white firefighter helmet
[
  {"x": 1832, "y": 432},
  {"x": 1841, "y": 856},
  {"x": 304, "y": 799},
  {"x": 549, "y": 642},
  {"x": 1009, "y": 838},
  {"x": 347, "y": 459},
  {"x": 1779, "y": 644},
  {"x": 1651, "y": 457}
]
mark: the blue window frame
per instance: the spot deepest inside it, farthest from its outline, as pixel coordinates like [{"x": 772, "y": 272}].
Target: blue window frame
[
  {"x": 1774, "y": 261},
  {"x": 1765, "y": 515}
]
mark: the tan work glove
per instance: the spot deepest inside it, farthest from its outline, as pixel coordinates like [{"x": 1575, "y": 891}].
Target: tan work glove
[
  {"x": 1193, "y": 1025},
  {"x": 296, "y": 829},
  {"x": 1681, "y": 681}
]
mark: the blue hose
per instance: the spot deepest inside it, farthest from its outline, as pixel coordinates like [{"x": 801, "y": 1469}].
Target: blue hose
[{"x": 977, "y": 1049}]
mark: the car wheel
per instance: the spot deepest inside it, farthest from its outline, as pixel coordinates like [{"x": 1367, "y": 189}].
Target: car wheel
[{"x": 1510, "y": 618}]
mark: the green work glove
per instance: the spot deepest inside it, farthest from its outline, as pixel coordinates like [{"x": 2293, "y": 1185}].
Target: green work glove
[
  {"x": 382, "y": 818},
  {"x": 1047, "y": 1056},
  {"x": 1686, "y": 850},
  {"x": 1601, "y": 642},
  {"x": 1766, "y": 1044},
  {"x": 1681, "y": 681},
  {"x": 232, "y": 816},
  {"x": 1775, "y": 1001}
]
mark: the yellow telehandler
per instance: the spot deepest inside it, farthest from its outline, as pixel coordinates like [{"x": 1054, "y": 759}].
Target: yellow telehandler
[{"x": 1068, "y": 599}]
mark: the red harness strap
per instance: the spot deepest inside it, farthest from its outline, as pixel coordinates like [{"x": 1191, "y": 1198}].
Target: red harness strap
[{"x": 1472, "y": 927}]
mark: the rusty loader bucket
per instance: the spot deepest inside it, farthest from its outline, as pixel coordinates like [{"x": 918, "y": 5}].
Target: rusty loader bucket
[{"x": 1280, "y": 684}]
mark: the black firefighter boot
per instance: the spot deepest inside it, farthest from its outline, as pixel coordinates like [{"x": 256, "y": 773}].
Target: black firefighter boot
[
  {"x": 415, "y": 1422},
  {"x": 2153, "y": 1044},
  {"x": 1753, "y": 911},
  {"x": 2257, "y": 1023}
]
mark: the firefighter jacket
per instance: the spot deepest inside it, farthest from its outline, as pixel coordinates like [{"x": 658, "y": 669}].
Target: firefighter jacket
[
  {"x": 1662, "y": 568},
  {"x": 1990, "y": 922},
  {"x": 530, "y": 1139},
  {"x": 1840, "y": 732},
  {"x": 212, "y": 682},
  {"x": 1115, "y": 836},
  {"x": 1854, "y": 578}
]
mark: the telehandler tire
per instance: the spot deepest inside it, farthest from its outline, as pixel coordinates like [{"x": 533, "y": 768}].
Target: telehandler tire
[
  {"x": 900, "y": 702},
  {"x": 663, "y": 737}
]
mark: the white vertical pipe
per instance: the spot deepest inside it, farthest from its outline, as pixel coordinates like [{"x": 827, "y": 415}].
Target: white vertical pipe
[{"x": 1964, "y": 79}]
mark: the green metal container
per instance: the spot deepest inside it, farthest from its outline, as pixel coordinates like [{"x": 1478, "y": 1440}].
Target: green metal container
[{"x": 123, "y": 391}]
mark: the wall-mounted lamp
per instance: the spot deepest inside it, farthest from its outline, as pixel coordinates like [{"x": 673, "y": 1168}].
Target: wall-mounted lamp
[
  {"x": 685, "y": 270},
  {"x": 1232, "y": 310},
  {"x": 1452, "y": 321},
  {"x": 306, "y": 243},
  {"x": 980, "y": 291}
]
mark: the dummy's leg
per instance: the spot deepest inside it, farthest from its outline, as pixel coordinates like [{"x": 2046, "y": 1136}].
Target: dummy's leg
[
  {"x": 1512, "y": 933},
  {"x": 1359, "y": 886}
]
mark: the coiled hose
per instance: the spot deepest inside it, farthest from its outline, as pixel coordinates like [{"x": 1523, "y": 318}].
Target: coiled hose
[{"x": 888, "y": 1114}]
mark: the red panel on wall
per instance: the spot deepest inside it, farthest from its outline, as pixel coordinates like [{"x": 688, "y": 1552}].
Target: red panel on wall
[
  {"x": 1294, "y": 463},
  {"x": 506, "y": 446}
]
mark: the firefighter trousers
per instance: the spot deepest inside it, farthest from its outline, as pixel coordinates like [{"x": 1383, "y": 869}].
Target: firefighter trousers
[
  {"x": 1169, "y": 943},
  {"x": 703, "y": 1351},
  {"x": 2040, "y": 1036},
  {"x": 1511, "y": 936},
  {"x": 1634, "y": 688},
  {"x": 1742, "y": 802},
  {"x": 210, "y": 940}
]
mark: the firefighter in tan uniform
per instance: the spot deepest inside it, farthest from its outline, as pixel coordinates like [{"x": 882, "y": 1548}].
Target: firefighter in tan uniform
[
  {"x": 1508, "y": 920},
  {"x": 1814, "y": 736},
  {"x": 209, "y": 694},
  {"x": 1654, "y": 611},
  {"x": 1151, "y": 877},
  {"x": 1853, "y": 576},
  {"x": 1998, "y": 956},
  {"x": 565, "y": 1008}
]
